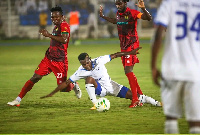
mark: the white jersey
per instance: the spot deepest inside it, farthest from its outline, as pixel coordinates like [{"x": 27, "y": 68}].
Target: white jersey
[
  {"x": 181, "y": 59},
  {"x": 98, "y": 72}
]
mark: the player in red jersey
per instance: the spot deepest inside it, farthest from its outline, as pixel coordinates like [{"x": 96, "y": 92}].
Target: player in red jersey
[
  {"x": 55, "y": 59},
  {"x": 126, "y": 20}
]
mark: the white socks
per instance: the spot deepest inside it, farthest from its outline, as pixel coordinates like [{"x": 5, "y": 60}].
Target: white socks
[
  {"x": 18, "y": 99},
  {"x": 171, "y": 127},
  {"x": 146, "y": 99},
  {"x": 91, "y": 92}
]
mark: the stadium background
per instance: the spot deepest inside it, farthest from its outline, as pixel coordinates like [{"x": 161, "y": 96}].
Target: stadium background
[{"x": 22, "y": 20}]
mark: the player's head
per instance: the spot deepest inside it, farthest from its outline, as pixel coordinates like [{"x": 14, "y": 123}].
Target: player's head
[
  {"x": 85, "y": 61},
  {"x": 121, "y": 5},
  {"x": 56, "y": 15}
]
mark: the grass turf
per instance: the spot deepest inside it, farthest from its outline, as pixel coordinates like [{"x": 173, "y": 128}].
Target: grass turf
[{"x": 64, "y": 113}]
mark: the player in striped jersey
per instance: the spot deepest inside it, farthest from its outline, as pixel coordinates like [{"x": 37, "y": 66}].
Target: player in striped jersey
[
  {"x": 55, "y": 59},
  {"x": 126, "y": 21},
  {"x": 180, "y": 83}
]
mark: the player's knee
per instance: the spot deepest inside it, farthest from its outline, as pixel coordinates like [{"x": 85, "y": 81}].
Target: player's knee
[
  {"x": 36, "y": 78},
  {"x": 89, "y": 80}
]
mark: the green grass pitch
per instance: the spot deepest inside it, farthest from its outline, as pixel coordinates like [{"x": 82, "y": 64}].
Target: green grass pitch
[{"x": 64, "y": 113}]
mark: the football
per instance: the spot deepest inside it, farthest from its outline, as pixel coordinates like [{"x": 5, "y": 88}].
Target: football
[{"x": 102, "y": 104}]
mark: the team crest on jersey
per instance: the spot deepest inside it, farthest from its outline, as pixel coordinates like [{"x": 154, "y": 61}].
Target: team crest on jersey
[
  {"x": 37, "y": 68},
  {"x": 126, "y": 17},
  {"x": 56, "y": 29}
]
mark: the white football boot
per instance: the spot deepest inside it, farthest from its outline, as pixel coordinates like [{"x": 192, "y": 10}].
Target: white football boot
[
  {"x": 77, "y": 90},
  {"x": 14, "y": 103}
]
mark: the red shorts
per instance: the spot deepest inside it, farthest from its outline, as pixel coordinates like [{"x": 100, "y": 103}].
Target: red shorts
[
  {"x": 59, "y": 69},
  {"x": 130, "y": 60}
]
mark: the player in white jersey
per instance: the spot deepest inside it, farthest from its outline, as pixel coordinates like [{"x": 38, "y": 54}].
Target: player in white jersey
[
  {"x": 98, "y": 82},
  {"x": 181, "y": 62}
]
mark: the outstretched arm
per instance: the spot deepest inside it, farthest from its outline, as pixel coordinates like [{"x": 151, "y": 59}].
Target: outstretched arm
[
  {"x": 112, "y": 20},
  {"x": 119, "y": 54},
  {"x": 60, "y": 87},
  {"x": 146, "y": 15}
]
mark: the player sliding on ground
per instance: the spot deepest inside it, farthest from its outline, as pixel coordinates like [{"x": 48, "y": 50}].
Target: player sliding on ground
[{"x": 97, "y": 80}]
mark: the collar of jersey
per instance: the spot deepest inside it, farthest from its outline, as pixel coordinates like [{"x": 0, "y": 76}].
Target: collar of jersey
[{"x": 93, "y": 64}]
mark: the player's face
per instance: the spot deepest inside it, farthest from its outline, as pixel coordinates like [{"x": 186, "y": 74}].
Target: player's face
[
  {"x": 56, "y": 18},
  {"x": 121, "y": 6},
  {"x": 86, "y": 63}
]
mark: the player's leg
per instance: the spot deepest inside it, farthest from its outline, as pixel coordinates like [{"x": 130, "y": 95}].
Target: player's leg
[
  {"x": 172, "y": 104},
  {"x": 128, "y": 63},
  {"x": 192, "y": 106},
  {"x": 90, "y": 85},
  {"x": 146, "y": 99},
  {"x": 39, "y": 73},
  {"x": 125, "y": 92},
  {"x": 133, "y": 86}
]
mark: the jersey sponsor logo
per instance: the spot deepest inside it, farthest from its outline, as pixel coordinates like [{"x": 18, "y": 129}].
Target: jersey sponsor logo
[{"x": 122, "y": 23}]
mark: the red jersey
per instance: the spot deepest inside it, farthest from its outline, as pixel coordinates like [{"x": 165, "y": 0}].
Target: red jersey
[
  {"x": 58, "y": 51},
  {"x": 127, "y": 27}
]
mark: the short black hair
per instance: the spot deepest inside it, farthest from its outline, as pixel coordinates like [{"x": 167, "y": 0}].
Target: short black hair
[
  {"x": 57, "y": 8},
  {"x": 82, "y": 56},
  {"x": 125, "y": 0}
]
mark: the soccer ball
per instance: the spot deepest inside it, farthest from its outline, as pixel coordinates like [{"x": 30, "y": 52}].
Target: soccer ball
[{"x": 102, "y": 104}]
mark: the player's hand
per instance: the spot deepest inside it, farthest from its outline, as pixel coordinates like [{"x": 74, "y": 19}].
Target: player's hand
[
  {"x": 135, "y": 51},
  {"x": 156, "y": 76},
  {"x": 101, "y": 11},
  {"x": 44, "y": 32},
  {"x": 49, "y": 95},
  {"x": 140, "y": 4}
]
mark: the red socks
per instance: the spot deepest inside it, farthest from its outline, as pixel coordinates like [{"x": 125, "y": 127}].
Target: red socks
[
  {"x": 135, "y": 88},
  {"x": 132, "y": 83},
  {"x": 27, "y": 87},
  {"x": 139, "y": 91}
]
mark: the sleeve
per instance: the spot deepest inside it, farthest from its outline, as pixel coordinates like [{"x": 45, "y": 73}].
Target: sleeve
[
  {"x": 135, "y": 13},
  {"x": 163, "y": 15},
  {"x": 81, "y": 73},
  {"x": 104, "y": 59},
  {"x": 64, "y": 28}
]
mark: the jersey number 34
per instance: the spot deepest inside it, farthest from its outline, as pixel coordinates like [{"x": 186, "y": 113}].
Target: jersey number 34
[{"x": 195, "y": 27}]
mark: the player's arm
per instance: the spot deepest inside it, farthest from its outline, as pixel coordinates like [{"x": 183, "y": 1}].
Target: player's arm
[
  {"x": 109, "y": 19},
  {"x": 119, "y": 54},
  {"x": 154, "y": 53},
  {"x": 63, "y": 38},
  {"x": 60, "y": 87},
  {"x": 145, "y": 15}
]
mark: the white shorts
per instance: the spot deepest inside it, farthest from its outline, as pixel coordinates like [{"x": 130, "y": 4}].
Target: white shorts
[
  {"x": 177, "y": 95},
  {"x": 111, "y": 90},
  {"x": 73, "y": 28}
]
